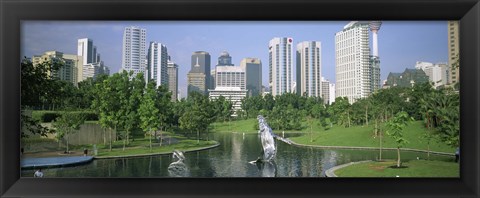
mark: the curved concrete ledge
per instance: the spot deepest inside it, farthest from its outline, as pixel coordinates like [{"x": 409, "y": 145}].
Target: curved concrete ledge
[
  {"x": 51, "y": 162},
  {"x": 371, "y": 148},
  {"x": 152, "y": 154},
  {"x": 331, "y": 172}
]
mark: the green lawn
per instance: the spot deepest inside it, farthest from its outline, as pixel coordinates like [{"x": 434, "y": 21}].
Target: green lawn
[
  {"x": 357, "y": 136},
  {"x": 413, "y": 168},
  {"x": 364, "y": 137},
  {"x": 144, "y": 149}
]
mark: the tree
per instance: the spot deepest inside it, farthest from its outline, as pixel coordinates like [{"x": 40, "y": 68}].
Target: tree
[
  {"x": 395, "y": 130},
  {"x": 198, "y": 114},
  {"x": 35, "y": 87},
  {"x": 149, "y": 111},
  {"x": 67, "y": 123}
]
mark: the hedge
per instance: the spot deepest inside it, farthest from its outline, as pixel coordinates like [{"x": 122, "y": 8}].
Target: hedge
[{"x": 49, "y": 116}]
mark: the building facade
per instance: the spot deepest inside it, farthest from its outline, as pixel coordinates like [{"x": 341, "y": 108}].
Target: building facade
[
  {"x": 157, "y": 63},
  {"x": 309, "y": 69},
  {"x": 70, "y": 65},
  {"x": 86, "y": 50},
  {"x": 134, "y": 56},
  {"x": 408, "y": 78},
  {"x": 453, "y": 51},
  {"x": 228, "y": 76},
  {"x": 199, "y": 78},
  {"x": 325, "y": 93},
  {"x": 233, "y": 94},
  {"x": 438, "y": 73},
  {"x": 93, "y": 70},
  {"x": 353, "y": 70},
  {"x": 253, "y": 75},
  {"x": 280, "y": 65},
  {"x": 172, "y": 72},
  {"x": 224, "y": 59}
]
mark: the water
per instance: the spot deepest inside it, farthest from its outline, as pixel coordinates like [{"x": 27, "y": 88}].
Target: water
[{"x": 231, "y": 159}]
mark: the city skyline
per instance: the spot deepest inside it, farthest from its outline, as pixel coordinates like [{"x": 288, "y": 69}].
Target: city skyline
[{"x": 414, "y": 41}]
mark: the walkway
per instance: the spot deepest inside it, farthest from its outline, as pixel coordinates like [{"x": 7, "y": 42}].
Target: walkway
[{"x": 49, "y": 162}]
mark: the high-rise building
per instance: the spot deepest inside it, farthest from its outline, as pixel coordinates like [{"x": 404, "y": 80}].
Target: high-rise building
[
  {"x": 224, "y": 59},
  {"x": 85, "y": 50},
  {"x": 172, "y": 72},
  {"x": 228, "y": 76},
  {"x": 157, "y": 63},
  {"x": 213, "y": 74},
  {"x": 199, "y": 75},
  {"x": 309, "y": 67},
  {"x": 93, "y": 70},
  {"x": 325, "y": 94},
  {"x": 331, "y": 95},
  {"x": 437, "y": 73},
  {"x": 230, "y": 83},
  {"x": 70, "y": 65},
  {"x": 375, "y": 58},
  {"x": 453, "y": 51},
  {"x": 280, "y": 65},
  {"x": 253, "y": 75},
  {"x": 134, "y": 56},
  {"x": 353, "y": 70}
]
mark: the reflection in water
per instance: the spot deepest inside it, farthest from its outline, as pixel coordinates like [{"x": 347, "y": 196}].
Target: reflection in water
[
  {"x": 267, "y": 169},
  {"x": 178, "y": 168},
  {"x": 230, "y": 159}
]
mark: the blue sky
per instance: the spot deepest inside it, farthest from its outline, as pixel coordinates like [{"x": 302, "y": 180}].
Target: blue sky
[{"x": 401, "y": 43}]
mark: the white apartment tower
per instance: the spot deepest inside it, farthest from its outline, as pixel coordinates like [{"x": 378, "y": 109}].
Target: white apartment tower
[
  {"x": 158, "y": 63},
  {"x": 309, "y": 67},
  {"x": 280, "y": 65},
  {"x": 353, "y": 70},
  {"x": 134, "y": 50}
]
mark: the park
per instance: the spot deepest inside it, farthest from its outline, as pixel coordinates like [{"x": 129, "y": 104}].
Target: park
[{"x": 131, "y": 130}]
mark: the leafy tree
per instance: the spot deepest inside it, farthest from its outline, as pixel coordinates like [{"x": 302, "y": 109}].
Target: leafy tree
[
  {"x": 35, "y": 88},
  {"x": 395, "y": 130},
  {"x": 67, "y": 123},
  {"x": 149, "y": 111}
]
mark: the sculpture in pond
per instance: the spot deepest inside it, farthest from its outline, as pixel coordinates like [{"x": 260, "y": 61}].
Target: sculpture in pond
[
  {"x": 267, "y": 139},
  {"x": 178, "y": 168}
]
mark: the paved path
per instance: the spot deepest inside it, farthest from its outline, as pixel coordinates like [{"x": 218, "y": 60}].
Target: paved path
[
  {"x": 331, "y": 172},
  {"x": 49, "y": 162}
]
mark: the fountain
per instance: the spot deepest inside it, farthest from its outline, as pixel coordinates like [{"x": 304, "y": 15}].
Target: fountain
[
  {"x": 268, "y": 143},
  {"x": 178, "y": 168}
]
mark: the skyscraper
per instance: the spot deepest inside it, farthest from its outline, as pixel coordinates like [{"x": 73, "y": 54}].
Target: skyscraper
[
  {"x": 280, "y": 65},
  {"x": 309, "y": 67},
  {"x": 353, "y": 70},
  {"x": 253, "y": 75},
  {"x": 158, "y": 63},
  {"x": 375, "y": 58},
  {"x": 224, "y": 59},
  {"x": 85, "y": 50},
  {"x": 325, "y": 94},
  {"x": 172, "y": 72},
  {"x": 453, "y": 51},
  {"x": 199, "y": 75},
  {"x": 134, "y": 50}
]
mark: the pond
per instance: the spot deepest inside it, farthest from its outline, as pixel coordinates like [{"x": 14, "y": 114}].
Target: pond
[{"x": 231, "y": 159}]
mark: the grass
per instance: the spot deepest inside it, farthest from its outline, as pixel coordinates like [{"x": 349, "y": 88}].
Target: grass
[
  {"x": 144, "y": 149},
  {"x": 413, "y": 168},
  {"x": 356, "y": 136},
  {"x": 363, "y": 136}
]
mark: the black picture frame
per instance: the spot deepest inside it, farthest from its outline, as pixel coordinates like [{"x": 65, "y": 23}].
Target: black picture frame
[{"x": 14, "y": 11}]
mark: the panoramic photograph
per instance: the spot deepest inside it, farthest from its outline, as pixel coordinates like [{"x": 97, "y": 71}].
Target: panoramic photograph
[{"x": 206, "y": 99}]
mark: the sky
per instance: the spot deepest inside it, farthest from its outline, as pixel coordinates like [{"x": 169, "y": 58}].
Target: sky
[{"x": 400, "y": 43}]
